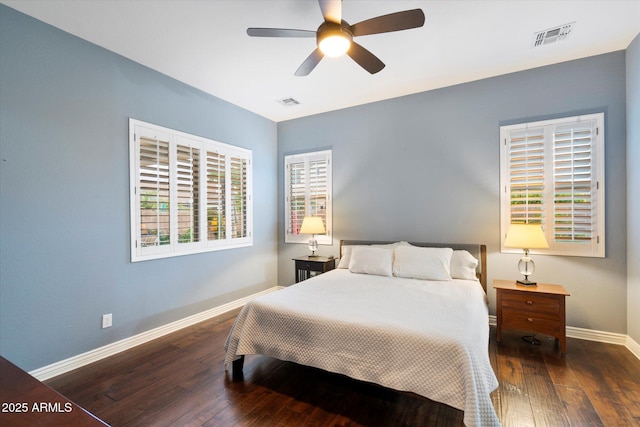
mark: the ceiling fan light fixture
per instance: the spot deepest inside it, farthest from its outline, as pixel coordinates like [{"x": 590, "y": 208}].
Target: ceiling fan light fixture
[
  {"x": 334, "y": 45},
  {"x": 334, "y": 39}
]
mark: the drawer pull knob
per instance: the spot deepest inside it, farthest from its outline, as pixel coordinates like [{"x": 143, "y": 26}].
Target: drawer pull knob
[
  {"x": 529, "y": 319},
  {"x": 530, "y": 302}
]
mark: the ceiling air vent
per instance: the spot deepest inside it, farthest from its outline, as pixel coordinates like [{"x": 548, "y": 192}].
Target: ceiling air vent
[
  {"x": 552, "y": 35},
  {"x": 288, "y": 102}
]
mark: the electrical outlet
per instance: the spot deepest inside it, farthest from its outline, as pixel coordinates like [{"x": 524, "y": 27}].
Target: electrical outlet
[{"x": 107, "y": 320}]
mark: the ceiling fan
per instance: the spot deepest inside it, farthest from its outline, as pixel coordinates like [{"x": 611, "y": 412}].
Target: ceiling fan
[{"x": 334, "y": 36}]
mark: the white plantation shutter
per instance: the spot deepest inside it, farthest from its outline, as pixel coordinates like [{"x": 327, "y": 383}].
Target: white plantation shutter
[
  {"x": 216, "y": 196},
  {"x": 153, "y": 200},
  {"x": 307, "y": 193},
  {"x": 526, "y": 176},
  {"x": 188, "y": 194},
  {"x": 318, "y": 188},
  {"x": 574, "y": 183},
  {"x": 552, "y": 173},
  {"x": 239, "y": 197},
  {"x": 296, "y": 196}
]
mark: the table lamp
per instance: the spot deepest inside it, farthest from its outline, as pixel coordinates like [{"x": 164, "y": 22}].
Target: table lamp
[
  {"x": 312, "y": 225},
  {"x": 526, "y": 236}
]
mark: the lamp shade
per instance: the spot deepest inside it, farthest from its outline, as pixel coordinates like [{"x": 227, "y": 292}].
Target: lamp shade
[
  {"x": 312, "y": 225},
  {"x": 525, "y": 236}
]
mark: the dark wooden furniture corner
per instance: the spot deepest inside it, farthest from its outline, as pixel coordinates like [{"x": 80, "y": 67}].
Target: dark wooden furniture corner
[{"x": 28, "y": 402}]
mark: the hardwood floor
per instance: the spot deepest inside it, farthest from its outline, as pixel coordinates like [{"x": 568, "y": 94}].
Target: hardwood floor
[{"x": 179, "y": 380}]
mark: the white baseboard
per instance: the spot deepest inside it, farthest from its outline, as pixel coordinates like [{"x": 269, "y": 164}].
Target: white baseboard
[
  {"x": 91, "y": 356},
  {"x": 594, "y": 335},
  {"x": 633, "y": 347}
]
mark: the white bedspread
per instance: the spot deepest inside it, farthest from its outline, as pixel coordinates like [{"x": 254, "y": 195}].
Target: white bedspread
[{"x": 429, "y": 338}]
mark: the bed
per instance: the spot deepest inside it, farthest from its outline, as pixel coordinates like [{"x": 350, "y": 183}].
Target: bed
[{"x": 390, "y": 314}]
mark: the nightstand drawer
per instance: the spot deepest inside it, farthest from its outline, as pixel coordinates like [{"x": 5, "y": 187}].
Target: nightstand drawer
[
  {"x": 530, "y": 322},
  {"x": 539, "y": 304},
  {"x": 319, "y": 266}
]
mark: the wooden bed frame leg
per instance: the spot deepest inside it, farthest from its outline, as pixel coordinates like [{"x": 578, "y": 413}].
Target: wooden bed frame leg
[{"x": 236, "y": 367}]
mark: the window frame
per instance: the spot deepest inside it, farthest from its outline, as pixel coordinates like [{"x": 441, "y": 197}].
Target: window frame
[
  {"x": 306, "y": 159},
  {"x": 595, "y": 247},
  {"x": 199, "y": 241}
]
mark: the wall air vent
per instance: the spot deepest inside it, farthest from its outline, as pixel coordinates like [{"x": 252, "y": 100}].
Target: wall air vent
[
  {"x": 552, "y": 35},
  {"x": 288, "y": 102}
]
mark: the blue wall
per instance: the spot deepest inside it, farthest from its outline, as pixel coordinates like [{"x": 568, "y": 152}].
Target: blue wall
[
  {"x": 64, "y": 204},
  {"x": 425, "y": 167},
  {"x": 633, "y": 189}
]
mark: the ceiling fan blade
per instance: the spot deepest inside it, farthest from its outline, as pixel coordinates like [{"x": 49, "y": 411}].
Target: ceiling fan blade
[
  {"x": 279, "y": 32},
  {"x": 364, "y": 58},
  {"x": 405, "y": 20},
  {"x": 331, "y": 10},
  {"x": 310, "y": 63}
]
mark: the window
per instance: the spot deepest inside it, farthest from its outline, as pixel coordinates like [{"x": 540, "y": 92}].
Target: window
[
  {"x": 188, "y": 194},
  {"x": 552, "y": 173},
  {"x": 307, "y": 193}
]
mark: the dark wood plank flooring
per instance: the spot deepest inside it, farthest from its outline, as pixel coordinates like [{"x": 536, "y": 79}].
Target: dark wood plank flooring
[{"x": 179, "y": 380}]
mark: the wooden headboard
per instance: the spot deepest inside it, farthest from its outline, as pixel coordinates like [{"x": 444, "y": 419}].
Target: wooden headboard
[{"x": 478, "y": 251}]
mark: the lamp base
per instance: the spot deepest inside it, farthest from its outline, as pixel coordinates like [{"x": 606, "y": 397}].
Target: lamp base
[
  {"x": 526, "y": 282},
  {"x": 313, "y": 246}
]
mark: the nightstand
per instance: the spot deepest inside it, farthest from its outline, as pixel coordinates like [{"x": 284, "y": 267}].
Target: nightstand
[
  {"x": 538, "y": 309},
  {"x": 307, "y": 265}
]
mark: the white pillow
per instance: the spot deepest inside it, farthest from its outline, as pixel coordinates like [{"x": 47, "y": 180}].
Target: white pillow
[
  {"x": 346, "y": 252},
  {"x": 463, "y": 265},
  {"x": 371, "y": 260},
  {"x": 346, "y": 257},
  {"x": 422, "y": 263}
]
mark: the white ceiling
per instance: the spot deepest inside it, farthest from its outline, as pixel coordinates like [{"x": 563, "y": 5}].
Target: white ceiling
[{"x": 204, "y": 43}]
